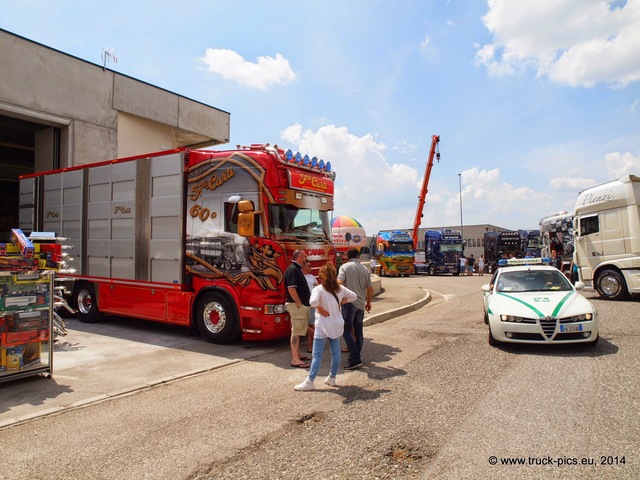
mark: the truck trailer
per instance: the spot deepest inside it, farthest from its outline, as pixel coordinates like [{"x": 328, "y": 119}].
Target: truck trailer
[
  {"x": 196, "y": 238},
  {"x": 607, "y": 237}
]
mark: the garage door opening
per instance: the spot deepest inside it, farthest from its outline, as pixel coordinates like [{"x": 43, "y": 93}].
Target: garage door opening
[{"x": 23, "y": 145}]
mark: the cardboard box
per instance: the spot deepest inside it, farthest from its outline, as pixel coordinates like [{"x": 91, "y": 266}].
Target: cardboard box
[
  {"x": 24, "y": 244},
  {"x": 11, "y": 339},
  {"x": 3, "y": 359},
  {"x": 14, "y": 358},
  {"x": 31, "y": 354},
  {"x": 22, "y": 321}
]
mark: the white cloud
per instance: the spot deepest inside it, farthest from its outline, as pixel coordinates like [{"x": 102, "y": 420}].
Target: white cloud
[
  {"x": 573, "y": 42},
  {"x": 384, "y": 195},
  {"x": 424, "y": 45},
  {"x": 265, "y": 72},
  {"x": 621, "y": 164},
  {"x": 563, "y": 183},
  {"x": 374, "y": 191}
]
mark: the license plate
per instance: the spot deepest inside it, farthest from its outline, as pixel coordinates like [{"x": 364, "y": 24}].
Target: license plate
[{"x": 571, "y": 328}]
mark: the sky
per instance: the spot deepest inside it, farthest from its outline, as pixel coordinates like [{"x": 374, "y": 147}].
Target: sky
[{"x": 533, "y": 100}]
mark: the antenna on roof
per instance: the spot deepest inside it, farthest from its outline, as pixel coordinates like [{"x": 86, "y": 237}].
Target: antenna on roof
[{"x": 108, "y": 55}]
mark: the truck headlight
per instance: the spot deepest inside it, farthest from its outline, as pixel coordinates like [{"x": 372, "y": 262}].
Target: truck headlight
[{"x": 277, "y": 309}]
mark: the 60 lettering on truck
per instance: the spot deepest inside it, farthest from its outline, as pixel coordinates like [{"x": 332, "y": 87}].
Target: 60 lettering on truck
[{"x": 198, "y": 238}]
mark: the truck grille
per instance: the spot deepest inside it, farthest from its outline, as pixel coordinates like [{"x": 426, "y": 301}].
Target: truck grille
[{"x": 548, "y": 325}]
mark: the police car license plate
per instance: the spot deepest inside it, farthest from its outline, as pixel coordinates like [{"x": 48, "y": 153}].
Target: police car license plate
[{"x": 571, "y": 328}]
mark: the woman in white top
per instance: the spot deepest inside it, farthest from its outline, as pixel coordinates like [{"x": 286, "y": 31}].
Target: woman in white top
[{"x": 327, "y": 299}]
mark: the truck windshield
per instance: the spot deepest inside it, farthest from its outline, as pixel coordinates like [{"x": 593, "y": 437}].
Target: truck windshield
[
  {"x": 401, "y": 247},
  {"x": 533, "y": 243},
  {"x": 290, "y": 222}
]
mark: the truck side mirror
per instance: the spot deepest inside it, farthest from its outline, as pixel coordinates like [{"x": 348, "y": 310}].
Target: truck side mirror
[{"x": 246, "y": 218}]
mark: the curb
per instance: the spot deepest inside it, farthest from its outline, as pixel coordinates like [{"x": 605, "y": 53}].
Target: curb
[{"x": 382, "y": 317}]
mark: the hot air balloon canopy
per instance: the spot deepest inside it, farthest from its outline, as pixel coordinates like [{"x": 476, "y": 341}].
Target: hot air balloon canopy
[{"x": 347, "y": 232}]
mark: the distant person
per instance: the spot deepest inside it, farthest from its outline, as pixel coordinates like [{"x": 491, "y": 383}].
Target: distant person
[
  {"x": 328, "y": 299},
  {"x": 481, "y": 266},
  {"x": 373, "y": 264},
  {"x": 297, "y": 305},
  {"x": 463, "y": 265},
  {"x": 356, "y": 278},
  {"x": 470, "y": 263}
]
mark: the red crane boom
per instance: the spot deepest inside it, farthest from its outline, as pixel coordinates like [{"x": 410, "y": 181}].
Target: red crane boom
[{"x": 434, "y": 152}]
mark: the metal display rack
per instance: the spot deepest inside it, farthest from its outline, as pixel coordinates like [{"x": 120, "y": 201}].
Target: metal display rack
[{"x": 26, "y": 324}]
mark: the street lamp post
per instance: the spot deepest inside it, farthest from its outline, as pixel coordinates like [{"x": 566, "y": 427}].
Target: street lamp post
[{"x": 460, "y": 187}]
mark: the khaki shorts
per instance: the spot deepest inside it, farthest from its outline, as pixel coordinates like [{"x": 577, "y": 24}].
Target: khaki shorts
[{"x": 299, "y": 318}]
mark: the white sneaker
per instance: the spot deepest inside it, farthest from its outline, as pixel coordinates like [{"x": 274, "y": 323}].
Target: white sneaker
[
  {"x": 330, "y": 381},
  {"x": 306, "y": 385}
]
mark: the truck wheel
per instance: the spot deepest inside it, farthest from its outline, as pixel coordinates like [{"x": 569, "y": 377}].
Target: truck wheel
[
  {"x": 216, "y": 319},
  {"x": 610, "y": 285},
  {"x": 86, "y": 303},
  {"x": 432, "y": 270}
]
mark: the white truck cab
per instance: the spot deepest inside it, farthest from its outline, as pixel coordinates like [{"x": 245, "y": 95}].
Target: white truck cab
[{"x": 607, "y": 237}]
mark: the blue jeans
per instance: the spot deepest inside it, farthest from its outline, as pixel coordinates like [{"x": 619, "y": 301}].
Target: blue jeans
[
  {"x": 353, "y": 320},
  {"x": 316, "y": 356}
]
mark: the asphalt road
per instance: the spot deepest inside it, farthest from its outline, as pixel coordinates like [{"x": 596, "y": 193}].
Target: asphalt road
[{"x": 435, "y": 401}]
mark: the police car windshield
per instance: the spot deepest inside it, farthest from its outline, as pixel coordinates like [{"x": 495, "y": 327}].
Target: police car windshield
[{"x": 533, "y": 281}]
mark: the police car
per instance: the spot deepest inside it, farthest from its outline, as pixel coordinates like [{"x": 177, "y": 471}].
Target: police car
[{"x": 529, "y": 301}]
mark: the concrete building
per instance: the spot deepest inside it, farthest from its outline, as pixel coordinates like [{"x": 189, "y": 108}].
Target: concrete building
[{"x": 57, "y": 111}]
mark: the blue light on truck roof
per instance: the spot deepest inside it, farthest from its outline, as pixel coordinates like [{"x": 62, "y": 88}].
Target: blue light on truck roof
[{"x": 328, "y": 166}]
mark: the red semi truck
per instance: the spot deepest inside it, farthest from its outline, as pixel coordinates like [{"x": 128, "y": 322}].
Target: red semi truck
[{"x": 187, "y": 237}]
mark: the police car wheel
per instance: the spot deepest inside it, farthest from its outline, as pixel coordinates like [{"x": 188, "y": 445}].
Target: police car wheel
[{"x": 492, "y": 341}]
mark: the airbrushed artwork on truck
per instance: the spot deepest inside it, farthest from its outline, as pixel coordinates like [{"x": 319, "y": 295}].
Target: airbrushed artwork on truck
[{"x": 214, "y": 249}]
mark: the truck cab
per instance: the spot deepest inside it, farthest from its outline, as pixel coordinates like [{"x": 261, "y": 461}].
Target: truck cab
[
  {"x": 394, "y": 253},
  {"x": 607, "y": 237}
]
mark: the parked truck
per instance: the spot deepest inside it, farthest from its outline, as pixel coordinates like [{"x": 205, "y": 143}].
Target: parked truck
[
  {"x": 556, "y": 235},
  {"x": 607, "y": 237},
  {"x": 498, "y": 245},
  {"x": 197, "y": 238},
  {"x": 442, "y": 249},
  {"x": 531, "y": 245},
  {"x": 394, "y": 253}
]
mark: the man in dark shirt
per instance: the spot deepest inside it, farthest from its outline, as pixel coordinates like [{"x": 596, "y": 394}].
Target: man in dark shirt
[{"x": 298, "y": 306}]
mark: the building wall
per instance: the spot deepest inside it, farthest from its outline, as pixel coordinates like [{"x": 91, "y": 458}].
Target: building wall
[{"x": 102, "y": 114}]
